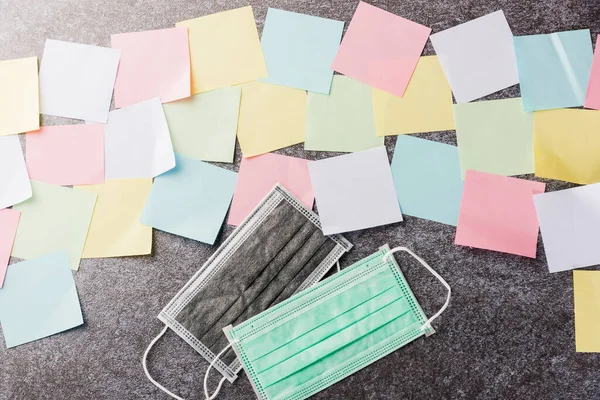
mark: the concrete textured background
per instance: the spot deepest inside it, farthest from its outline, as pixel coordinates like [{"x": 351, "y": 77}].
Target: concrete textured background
[{"x": 507, "y": 334}]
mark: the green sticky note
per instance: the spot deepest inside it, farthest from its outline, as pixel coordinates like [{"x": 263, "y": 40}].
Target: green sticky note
[
  {"x": 342, "y": 121},
  {"x": 495, "y": 137},
  {"x": 204, "y": 126},
  {"x": 55, "y": 218}
]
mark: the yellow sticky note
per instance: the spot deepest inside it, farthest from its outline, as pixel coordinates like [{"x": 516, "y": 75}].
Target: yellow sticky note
[
  {"x": 115, "y": 230},
  {"x": 224, "y": 50},
  {"x": 19, "y": 96},
  {"x": 271, "y": 117},
  {"x": 586, "y": 286},
  {"x": 425, "y": 107},
  {"x": 567, "y": 145}
]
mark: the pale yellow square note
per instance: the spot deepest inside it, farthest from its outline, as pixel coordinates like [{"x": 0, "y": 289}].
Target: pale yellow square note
[
  {"x": 115, "y": 230},
  {"x": 271, "y": 117},
  {"x": 425, "y": 107},
  {"x": 19, "y": 96},
  {"x": 587, "y": 311},
  {"x": 224, "y": 50}
]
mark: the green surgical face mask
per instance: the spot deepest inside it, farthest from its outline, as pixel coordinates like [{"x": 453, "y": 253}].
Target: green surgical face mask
[{"x": 326, "y": 333}]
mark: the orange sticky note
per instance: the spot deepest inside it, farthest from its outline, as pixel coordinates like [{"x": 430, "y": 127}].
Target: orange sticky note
[{"x": 497, "y": 213}]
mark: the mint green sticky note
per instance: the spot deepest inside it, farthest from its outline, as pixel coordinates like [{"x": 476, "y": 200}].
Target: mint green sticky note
[
  {"x": 190, "y": 200},
  {"x": 299, "y": 49},
  {"x": 39, "y": 299},
  {"x": 54, "y": 218},
  {"x": 204, "y": 126},
  {"x": 495, "y": 136},
  {"x": 554, "y": 69},
  {"x": 342, "y": 121},
  {"x": 427, "y": 179}
]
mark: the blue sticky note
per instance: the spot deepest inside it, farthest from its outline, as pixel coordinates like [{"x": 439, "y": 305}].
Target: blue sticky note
[
  {"x": 190, "y": 200},
  {"x": 39, "y": 299},
  {"x": 428, "y": 179},
  {"x": 554, "y": 69},
  {"x": 299, "y": 49}
]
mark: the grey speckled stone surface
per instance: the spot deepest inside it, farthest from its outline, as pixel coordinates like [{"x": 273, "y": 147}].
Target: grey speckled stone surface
[{"x": 508, "y": 333}]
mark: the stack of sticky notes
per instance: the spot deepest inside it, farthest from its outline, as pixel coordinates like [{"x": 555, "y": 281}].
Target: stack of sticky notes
[{"x": 183, "y": 95}]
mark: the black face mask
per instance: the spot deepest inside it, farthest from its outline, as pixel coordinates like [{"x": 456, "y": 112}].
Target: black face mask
[{"x": 278, "y": 250}]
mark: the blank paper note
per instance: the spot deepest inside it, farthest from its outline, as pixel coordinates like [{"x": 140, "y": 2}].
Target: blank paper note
[
  {"x": 77, "y": 80},
  {"x": 425, "y": 107},
  {"x": 19, "y": 96},
  {"x": 495, "y": 136},
  {"x": 153, "y": 64},
  {"x": 67, "y": 154},
  {"x": 271, "y": 117},
  {"x": 191, "y": 200},
  {"x": 114, "y": 229},
  {"x": 39, "y": 299},
  {"x": 569, "y": 220},
  {"x": 586, "y": 288},
  {"x": 380, "y": 49},
  {"x": 427, "y": 179},
  {"x": 355, "y": 191},
  {"x": 14, "y": 179},
  {"x": 55, "y": 218},
  {"x": 204, "y": 126},
  {"x": 9, "y": 220},
  {"x": 257, "y": 177},
  {"x": 478, "y": 56},
  {"x": 567, "y": 144},
  {"x": 554, "y": 69},
  {"x": 497, "y": 213},
  {"x": 137, "y": 142},
  {"x": 343, "y": 120},
  {"x": 592, "y": 97},
  {"x": 224, "y": 49},
  {"x": 299, "y": 49}
]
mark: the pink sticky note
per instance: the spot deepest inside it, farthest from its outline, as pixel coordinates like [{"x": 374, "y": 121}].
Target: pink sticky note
[
  {"x": 9, "y": 219},
  {"x": 153, "y": 63},
  {"x": 380, "y": 49},
  {"x": 592, "y": 98},
  {"x": 497, "y": 213},
  {"x": 66, "y": 154},
  {"x": 258, "y": 175}
]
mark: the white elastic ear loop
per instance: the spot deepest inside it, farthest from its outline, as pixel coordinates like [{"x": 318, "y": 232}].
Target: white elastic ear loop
[
  {"x": 158, "y": 385},
  {"x": 338, "y": 265},
  {"x": 438, "y": 276},
  {"x": 208, "y": 370}
]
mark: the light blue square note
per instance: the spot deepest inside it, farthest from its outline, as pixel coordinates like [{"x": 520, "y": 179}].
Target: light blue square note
[
  {"x": 428, "y": 179},
  {"x": 39, "y": 299},
  {"x": 554, "y": 69},
  {"x": 299, "y": 49},
  {"x": 190, "y": 200}
]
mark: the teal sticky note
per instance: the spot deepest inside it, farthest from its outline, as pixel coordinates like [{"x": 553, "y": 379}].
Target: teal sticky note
[
  {"x": 554, "y": 69},
  {"x": 190, "y": 200},
  {"x": 299, "y": 49},
  {"x": 427, "y": 179},
  {"x": 39, "y": 299}
]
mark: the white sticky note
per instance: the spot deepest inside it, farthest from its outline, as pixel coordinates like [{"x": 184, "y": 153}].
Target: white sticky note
[
  {"x": 14, "y": 179},
  {"x": 137, "y": 143},
  {"x": 478, "y": 57},
  {"x": 77, "y": 80},
  {"x": 355, "y": 191},
  {"x": 569, "y": 221}
]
